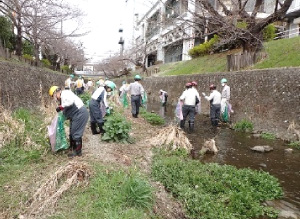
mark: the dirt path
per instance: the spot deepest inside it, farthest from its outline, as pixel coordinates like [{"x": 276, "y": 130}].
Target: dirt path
[{"x": 138, "y": 154}]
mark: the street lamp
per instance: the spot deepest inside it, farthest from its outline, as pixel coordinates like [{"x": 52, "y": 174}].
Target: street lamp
[{"x": 121, "y": 42}]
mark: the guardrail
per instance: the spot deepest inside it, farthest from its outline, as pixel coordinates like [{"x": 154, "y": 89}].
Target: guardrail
[{"x": 291, "y": 32}]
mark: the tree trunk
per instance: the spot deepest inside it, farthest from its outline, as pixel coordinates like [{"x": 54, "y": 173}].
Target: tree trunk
[{"x": 19, "y": 43}]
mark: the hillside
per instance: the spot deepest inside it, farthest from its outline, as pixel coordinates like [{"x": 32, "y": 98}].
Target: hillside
[{"x": 281, "y": 53}]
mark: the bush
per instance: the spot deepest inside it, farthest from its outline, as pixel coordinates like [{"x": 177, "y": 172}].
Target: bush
[
  {"x": 116, "y": 129},
  {"x": 204, "y": 48},
  {"x": 46, "y": 62},
  {"x": 66, "y": 69},
  {"x": 269, "y": 32},
  {"x": 152, "y": 118},
  {"x": 243, "y": 126},
  {"x": 28, "y": 57},
  {"x": 216, "y": 191}
]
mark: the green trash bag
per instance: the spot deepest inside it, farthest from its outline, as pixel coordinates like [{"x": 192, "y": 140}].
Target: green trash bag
[
  {"x": 124, "y": 100},
  {"x": 144, "y": 100},
  {"x": 61, "y": 139},
  {"x": 225, "y": 117}
]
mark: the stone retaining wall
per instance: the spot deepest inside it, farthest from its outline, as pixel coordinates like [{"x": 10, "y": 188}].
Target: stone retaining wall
[
  {"x": 22, "y": 85},
  {"x": 269, "y": 98}
]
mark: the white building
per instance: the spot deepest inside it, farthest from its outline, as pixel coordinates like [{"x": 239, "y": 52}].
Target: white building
[
  {"x": 293, "y": 19},
  {"x": 166, "y": 35}
]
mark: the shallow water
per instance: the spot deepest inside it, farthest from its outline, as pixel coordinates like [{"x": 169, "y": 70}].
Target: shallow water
[{"x": 234, "y": 149}]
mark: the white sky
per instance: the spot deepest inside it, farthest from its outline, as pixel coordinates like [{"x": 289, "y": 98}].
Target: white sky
[{"x": 103, "y": 20}]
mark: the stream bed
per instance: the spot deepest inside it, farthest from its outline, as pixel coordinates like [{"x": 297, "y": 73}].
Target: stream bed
[{"x": 234, "y": 149}]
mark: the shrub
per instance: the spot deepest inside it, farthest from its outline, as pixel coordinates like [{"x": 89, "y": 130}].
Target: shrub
[
  {"x": 46, "y": 62},
  {"x": 242, "y": 25},
  {"x": 216, "y": 191},
  {"x": 269, "y": 32},
  {"x": 204, "y": 48},
  {"x": 28, "y": 57},
  {"x": 243, "y": 126},
  {"x": 269, "y": 136},
  {"x": 116, "y": 129},
  {"x": 152, "y": 118},
  {"x": 66, "y": 69}
]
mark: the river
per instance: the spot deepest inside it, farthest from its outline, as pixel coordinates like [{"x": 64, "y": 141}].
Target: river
[{"x": 234, "y": 149}]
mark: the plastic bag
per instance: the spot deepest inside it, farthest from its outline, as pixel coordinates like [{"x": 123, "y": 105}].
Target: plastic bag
[
  {"x": 178, "y": 111},
  {"x": 144, "y": 100},
  {"x": 52, "y": 132},
  {"x": 123, "y": 98},
  {"x": 225, "y": 116},
  {"x": 61, "y": 139}
]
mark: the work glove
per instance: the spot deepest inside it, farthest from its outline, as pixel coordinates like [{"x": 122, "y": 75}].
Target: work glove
[
  {"x": 59, "y": 108},
  {"x": 107, "y": 110},
  {"x": 203, "y": 94}
]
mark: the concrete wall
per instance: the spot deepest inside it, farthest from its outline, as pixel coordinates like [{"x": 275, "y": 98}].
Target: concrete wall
[
  {"x": 21, "y": 85},
  {"x": 269, "y": 98}
]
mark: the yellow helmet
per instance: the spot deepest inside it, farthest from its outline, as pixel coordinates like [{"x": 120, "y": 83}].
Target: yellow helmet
[{"x": 52, "y": 90}]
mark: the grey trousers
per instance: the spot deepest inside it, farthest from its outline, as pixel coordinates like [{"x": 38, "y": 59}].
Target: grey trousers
[
  {"x": 215, "y": 110},
  {"x": 135, "y": 104},
  {"x": 188, "y": 110},
  {"x": 95, "y": 112},
  {"x": 78, "y": 123}
]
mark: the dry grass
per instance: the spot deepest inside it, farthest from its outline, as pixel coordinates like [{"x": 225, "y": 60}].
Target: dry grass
[
  {"x": 46, "y": 197},
  {"x": 172, "y": 138},
  {"x": 9, "y": 127}
]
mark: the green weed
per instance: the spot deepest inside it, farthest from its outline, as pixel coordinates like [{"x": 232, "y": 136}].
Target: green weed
[
  {"x": 116, "y": 129},
  {"x": 152, "y": 118},
  {"x": 111, "y": 194},
  {"x": 216, "y": 191},
  {"x": 85, "y": 97},
  {"x": 269, "y": 136},
  {"x": 243, "y": 126},
  {"x": 295, "y": 144}
]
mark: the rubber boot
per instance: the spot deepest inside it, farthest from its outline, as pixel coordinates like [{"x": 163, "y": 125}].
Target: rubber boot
[
  {"x": 182, "y": 124},
  {"x": 191, "y": 127},
  {"x": 94, "y": 128},
  {"x": 77, "y": 148},
  {"x": 101, "y": 127}
]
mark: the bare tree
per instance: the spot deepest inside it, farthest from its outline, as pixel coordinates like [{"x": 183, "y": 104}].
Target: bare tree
[
  {"x": 233, "y": 22},
  {"x": 113, "y": 67}
]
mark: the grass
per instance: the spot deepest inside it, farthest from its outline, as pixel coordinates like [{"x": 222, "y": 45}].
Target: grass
[
  {"x": 152, "y": 118},
  {"x": 295, "y": 144},
  {"x": 216, "y": 191},
  {"x": 243, "y": 126},
  {"x": 22, "y": 162},
  {"x": 269, "y": 136},
  {"x": 111, "y": 194},
  {"x": 281, "y": 53}
]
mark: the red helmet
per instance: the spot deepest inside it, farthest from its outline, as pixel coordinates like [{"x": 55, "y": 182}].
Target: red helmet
[
  {"x": 194, "y": 83},
  {"x": 188, "y": 84},
  {"x": 212, "y": 87}
]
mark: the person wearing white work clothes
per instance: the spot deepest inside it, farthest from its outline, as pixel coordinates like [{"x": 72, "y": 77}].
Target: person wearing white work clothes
[
  {"x": 215, "y": 104},
  {"x": 188, "y": 97},
  {"x": 74, "y": 110},
  {"x": 163, "y": 97},
  {"x": 225, "y": 96},
  {"x": 69, "y": 82},
  {"x": 98, "y": 98},
  {"x": 137, "y": 93}
]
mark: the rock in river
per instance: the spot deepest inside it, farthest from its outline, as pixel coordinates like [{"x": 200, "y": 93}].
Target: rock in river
[{"x": 264, "y": 148}]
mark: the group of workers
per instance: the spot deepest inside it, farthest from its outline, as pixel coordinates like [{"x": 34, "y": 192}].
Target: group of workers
[
  {"x": 74, "y": 109},
  {"x": 220, "y": 107}
]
